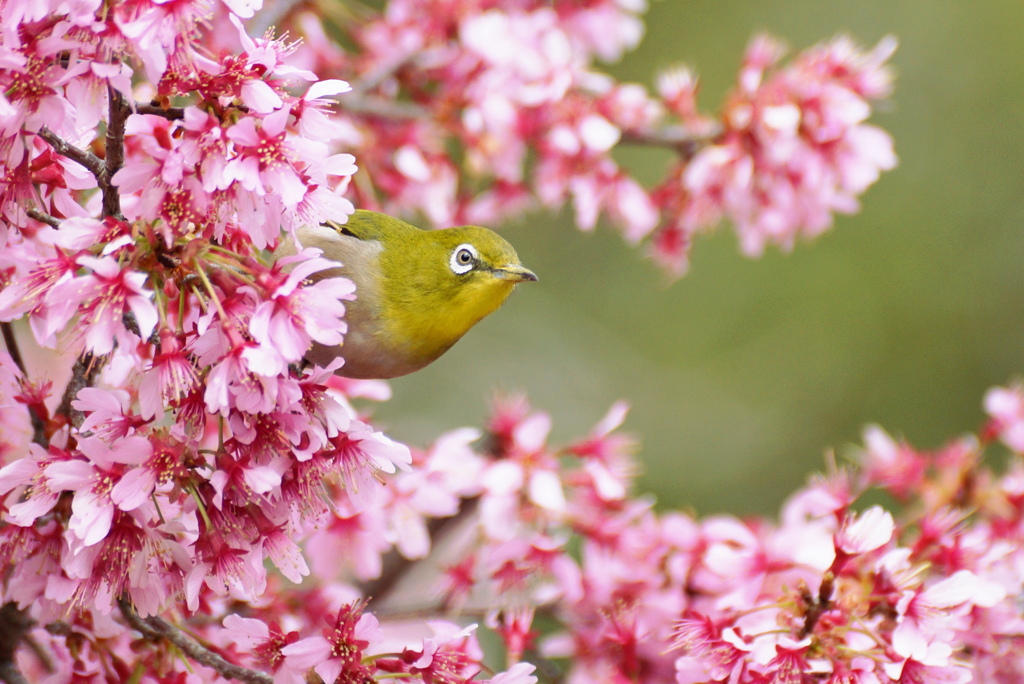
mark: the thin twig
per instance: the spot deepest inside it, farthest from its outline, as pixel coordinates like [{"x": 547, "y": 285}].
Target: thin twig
[
  {"x": 43, "y": 217},
  {"x": 156, "y": 628},
  {"x": 83, "y": 374},
  {"x": 172, "y": 113},
  {"x": 62, "y": 147},
  {"x": 816, "y": 607}
]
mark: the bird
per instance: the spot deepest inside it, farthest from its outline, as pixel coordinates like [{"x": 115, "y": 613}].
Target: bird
[{"x": 417, "y": 291}]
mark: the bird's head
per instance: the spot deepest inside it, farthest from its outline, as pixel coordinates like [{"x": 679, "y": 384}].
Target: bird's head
[{"x": 440, "y": 283}]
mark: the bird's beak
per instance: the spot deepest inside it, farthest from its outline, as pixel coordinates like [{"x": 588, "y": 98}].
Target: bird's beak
[{"x": 514, "y": 272}]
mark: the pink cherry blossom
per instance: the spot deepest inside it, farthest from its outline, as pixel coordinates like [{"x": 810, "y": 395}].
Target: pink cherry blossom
[
  {"x": 336, "y": 655},
  {"x": 1006, "y": 407},
  {"x": 106, "y": 295},
  {"x": 865, "y": 532}
]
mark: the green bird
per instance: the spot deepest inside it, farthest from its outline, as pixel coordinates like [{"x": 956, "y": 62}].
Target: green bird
[{"x": 417, "y": 291}]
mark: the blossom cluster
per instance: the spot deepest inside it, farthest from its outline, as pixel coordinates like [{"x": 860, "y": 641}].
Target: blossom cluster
[
  {"x": 838, "y": 590},
  {"x": 514, "y": 87},
  {"x": 551, "y": 550},
  {"x": 182, "y": 498}
]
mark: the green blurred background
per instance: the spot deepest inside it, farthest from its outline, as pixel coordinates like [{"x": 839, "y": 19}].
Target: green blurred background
[{"x": 745, "y": 372}]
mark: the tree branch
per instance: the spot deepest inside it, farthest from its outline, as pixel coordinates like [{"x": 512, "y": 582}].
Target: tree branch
[
  {"x": 62, "y": 147},
  {"x": 83, "y": 374},
  {"x": 816, "y": 607},
  {"x": 171, "y": 113},
  {"x": 118, "y": 118},
  {"x": 43, "y": 217},
  {"x": 158, "y": 629}
]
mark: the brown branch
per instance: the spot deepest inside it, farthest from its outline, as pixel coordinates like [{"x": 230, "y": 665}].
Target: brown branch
[
  {"x": 158, "y": 629},
  {"x": 14, "y": 623},
  {"x": 155, "y": 108},
  {"x": 43, "y": 217},
  {"x": 62, "y": 147},
  {"x": 118, "y": 118},
  {"x": 102, "y": 169},
  {"x": 816, "y": 607},
  {"x": 83, "y": 374}
]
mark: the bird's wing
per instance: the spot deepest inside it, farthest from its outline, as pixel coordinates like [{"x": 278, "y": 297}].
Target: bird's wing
[{"x": 369, "y": 225}]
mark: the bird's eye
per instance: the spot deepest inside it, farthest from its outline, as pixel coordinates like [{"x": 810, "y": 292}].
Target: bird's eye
[{"x": 463, "y": 258}]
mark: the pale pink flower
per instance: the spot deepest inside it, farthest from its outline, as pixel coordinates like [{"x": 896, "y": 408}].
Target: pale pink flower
[
  {"x": 935, "y": 666},
  {"x": 530, "y": 56},
  {"x": 608, "y": 454},
  {"x": 108, "y": 413},
  {"x": 413, "y": 498},
  {"x": 244, "y": 375},
  {"x": 104, "y": 296},
  {"x": 268, "y": 55},
  {"x": 81, "y": 232},
  {"x": 264, "y": 162},
  {"x": 294, "y": 314},
  {"x": 794, "y": 149},
  {"x": 38, "y": 290},
  {"x": 163, "y": 467},
  {"x": 720, "y": 651},
  {"x": 361, "y": 453},
  {"x": 514, "y": 629},
  {"x": 520, "y": 673},
  {"x": 27, "y": 475},
  {"x": 265, "y": 642},
  {"x": 169, "y": 378},
  {"x": 93, "y": 482},
  {"x": 310, "y": 118},
  {"x": 156, "y": 31},
  {"x": 352, "y": 539},
  {"x": 451, "y": 654},
  {"x": 929, "y": 615},
  {"x": 225, "y": 570},
  {"x": 285, "y": 554},
  {"x": 1005, "y": 405},
  {"x": 340, "y": 650},
  {"x": 894, "y": 465},
  {"x": 866, "y": 532}
]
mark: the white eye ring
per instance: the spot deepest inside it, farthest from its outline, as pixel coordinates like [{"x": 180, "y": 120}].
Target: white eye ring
[{"x": 463, "y": 259}]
